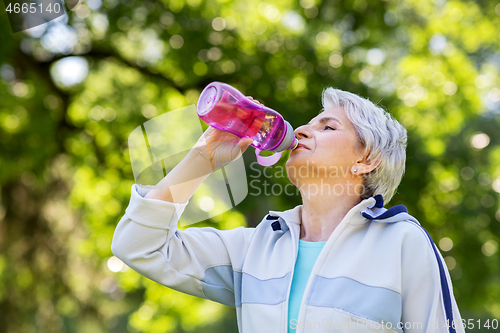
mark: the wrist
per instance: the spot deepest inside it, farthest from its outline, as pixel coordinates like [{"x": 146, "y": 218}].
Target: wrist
[
  {"x": 160, "y": 194},
  {"x": 199, "y": 161}
]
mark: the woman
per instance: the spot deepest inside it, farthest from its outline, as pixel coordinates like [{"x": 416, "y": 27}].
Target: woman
[{"x": 338, "y": 262}]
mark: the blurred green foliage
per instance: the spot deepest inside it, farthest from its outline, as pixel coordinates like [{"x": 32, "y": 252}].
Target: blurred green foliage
[{"x": 65, "y": 172}]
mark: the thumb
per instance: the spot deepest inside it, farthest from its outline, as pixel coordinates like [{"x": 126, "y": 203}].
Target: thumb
[{"x": 244, "y": 143}]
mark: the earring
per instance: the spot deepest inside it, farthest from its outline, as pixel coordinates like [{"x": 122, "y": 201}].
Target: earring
[{"x": 354, "y": 170}]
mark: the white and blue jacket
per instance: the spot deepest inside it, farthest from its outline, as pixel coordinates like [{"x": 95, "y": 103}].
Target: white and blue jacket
[{"x": 379, "y": 271}]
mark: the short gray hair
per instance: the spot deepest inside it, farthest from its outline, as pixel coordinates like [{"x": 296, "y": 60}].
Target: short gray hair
[{"x": 380, "y": 134}]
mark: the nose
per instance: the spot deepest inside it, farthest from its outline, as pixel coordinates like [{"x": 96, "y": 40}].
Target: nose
[{"x": 302, "y": 132}]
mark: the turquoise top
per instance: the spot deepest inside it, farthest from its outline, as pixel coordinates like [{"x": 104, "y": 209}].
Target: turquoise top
[{"x": 308, "y": 253}]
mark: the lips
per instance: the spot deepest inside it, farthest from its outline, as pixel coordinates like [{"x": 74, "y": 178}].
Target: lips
[{"x": 300, "y": 145}]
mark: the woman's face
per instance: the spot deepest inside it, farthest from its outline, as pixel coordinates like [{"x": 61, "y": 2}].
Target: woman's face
[{"x": 328, "y": 148}]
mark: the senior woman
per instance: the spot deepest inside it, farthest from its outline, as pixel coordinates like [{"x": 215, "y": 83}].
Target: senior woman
[{"x": 338, "y": 262}]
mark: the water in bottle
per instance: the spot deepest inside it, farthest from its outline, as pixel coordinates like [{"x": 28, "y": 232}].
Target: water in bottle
[{"x": 225, "y": 108}]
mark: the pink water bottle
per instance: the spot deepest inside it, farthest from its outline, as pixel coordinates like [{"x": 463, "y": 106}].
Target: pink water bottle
[{"x": 225, "y": 108}]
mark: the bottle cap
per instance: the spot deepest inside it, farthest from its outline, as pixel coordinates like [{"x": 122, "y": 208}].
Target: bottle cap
[{"x": 289, "y": 141}]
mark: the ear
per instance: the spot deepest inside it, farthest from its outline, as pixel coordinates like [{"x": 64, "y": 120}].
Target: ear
[
  {"x": 363, "y": 165},
  {"x": 367, "y": 167}
]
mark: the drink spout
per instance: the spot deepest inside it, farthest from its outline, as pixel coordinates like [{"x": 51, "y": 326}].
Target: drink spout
[
  {"x": 289, "y": 141},
  {"x": 295, "y": 143}
]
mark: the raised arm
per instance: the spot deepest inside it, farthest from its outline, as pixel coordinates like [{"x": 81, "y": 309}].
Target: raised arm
[
  {"x": 203, "y": 262},
  {"x": 214, "y": 149}
]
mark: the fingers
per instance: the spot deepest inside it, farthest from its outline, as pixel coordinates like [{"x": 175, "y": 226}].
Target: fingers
[
  {"x": 243, "y": 143},
  {"x": 252, "y": 99}
]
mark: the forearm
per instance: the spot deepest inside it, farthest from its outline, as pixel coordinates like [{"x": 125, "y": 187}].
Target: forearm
[
  {"x": 182, "y": 181},
  {"x": 147, "y": 240}
]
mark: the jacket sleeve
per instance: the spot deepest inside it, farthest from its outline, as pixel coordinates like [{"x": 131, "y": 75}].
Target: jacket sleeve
[
  {"x": 429, "y": 305},
  {"x": 203, "y": 262}
]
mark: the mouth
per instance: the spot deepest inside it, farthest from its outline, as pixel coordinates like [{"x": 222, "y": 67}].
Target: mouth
[{"x": 301, "y": 146}]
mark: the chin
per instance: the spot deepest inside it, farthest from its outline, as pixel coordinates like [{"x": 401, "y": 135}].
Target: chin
[
  {"x": 296, "y": 164},
  {"x": 297, "y": 159}
]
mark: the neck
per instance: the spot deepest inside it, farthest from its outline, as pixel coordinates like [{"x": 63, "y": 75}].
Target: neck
[{"x": 323, "y": 212}]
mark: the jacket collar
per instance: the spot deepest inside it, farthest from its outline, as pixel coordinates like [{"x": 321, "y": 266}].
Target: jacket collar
[{"x": 371, "y": 209}]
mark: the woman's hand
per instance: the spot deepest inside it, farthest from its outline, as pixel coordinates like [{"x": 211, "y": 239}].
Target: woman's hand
[{"x": 220, "y": 147}]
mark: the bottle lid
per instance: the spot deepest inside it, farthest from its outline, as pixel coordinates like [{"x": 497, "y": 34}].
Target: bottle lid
[{"x": 289, "y": 141}]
